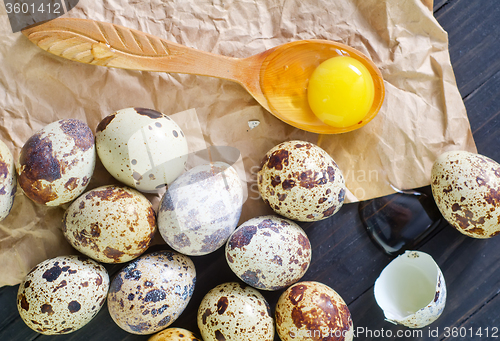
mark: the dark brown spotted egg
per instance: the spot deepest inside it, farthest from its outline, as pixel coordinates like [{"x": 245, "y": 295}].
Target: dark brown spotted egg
[
  {"x": 300, "y": 181},
  {"x": 466, "y": 188},
  {"x": 233, "y": 311},
  {"x": 61, "y": 295},
  {"x": 312, "y": 311},
  {"x": 111, "y": 224},
  {"x": 142, "y": 148},
  {"x": 269, "y": 252},
  {"x": 201, "y": 209},
  {"x": 150, "y": 293},
  {"x": 57, "y": 162},
  {"x": 8, "y": 183},
  {"x": 175, "y": 334}
]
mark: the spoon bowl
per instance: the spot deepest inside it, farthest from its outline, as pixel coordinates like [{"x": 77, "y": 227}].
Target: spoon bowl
[{"x": 276, "y": 78}]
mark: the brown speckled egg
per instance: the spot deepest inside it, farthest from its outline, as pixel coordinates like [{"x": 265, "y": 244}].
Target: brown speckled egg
[
  {"x": 151, "y": 292},
  {"x": 300, "y": 181},
  {"x": 201, "y": 209},
  {"x": 61, "y": 295},
  {"x": 56, "y": 163},
  {"x": 312, "y": 311},
  {"x": 466, "y": 188},
  {"x": 175, "y": 334},
  {"x": 111, "y": 224},
  {"x": 8, "y": 183},
  {"x": 269, "y": 252},
  {"x": 142, "y": 148},
  {"x": 233, "y": 311}
]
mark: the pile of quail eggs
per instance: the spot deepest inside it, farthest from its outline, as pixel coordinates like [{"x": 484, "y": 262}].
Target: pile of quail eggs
[{"x": 198, "y": 213}]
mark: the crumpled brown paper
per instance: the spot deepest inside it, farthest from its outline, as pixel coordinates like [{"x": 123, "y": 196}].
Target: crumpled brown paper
[{"x": 422, "y": 116}]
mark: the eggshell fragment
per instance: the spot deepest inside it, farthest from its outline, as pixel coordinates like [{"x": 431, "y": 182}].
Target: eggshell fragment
[
  {"x": 111, "y": 224},
  {"x": 57, "y": 162},
  {"x": 232, "y": 311},
  {"x": 312, "y": 311},
  {"x": 300, "y": 181},
  {"x": 8, "y": 182},
  {"x": 411, "y": 290},
  {"x": 174, "y": 334},
  {"x": 466, "y": 188},
  {"x": 142, "y": 148},
  {"x": 269, "y": 252},
  {"x": 61, "y": 295},
  {"x": 150, "y": 293},
  {"x": 201, "y": 209}
]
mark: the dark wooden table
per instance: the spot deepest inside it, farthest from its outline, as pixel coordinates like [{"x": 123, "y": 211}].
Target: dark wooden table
[{"x": 344, "y": 257}]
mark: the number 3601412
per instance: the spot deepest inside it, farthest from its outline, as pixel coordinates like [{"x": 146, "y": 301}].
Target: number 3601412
[{"x": 25, "y": 8}]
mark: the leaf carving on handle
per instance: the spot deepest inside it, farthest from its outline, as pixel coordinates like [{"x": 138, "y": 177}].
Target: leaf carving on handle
[{"x": 95, "y": 42}]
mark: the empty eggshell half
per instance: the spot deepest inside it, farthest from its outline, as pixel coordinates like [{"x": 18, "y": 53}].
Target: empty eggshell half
[
  {"x": 411, "y": 290},
  {"x": 142, "y": 148}
]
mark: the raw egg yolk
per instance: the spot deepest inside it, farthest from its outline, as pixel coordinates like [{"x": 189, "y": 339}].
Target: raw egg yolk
[{"x": 340, "y": 91}]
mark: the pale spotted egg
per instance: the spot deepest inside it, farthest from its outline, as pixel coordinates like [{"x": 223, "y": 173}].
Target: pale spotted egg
[
  {"x": 269, "y": 252},
  {"x": 57, "y": 162},
  {"x": 62, "y": 294},
  {"x": 8, "y": 182},
  {"x": 300, "y": 181}
]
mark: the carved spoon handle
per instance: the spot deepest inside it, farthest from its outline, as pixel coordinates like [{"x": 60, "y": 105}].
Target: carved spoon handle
[{"x": 105, "y": 44}]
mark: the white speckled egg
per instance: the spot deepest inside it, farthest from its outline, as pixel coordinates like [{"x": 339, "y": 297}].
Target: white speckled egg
[
  {"x": 411, "y": 290},
  {"x": 201, "y": 209},
  {"x": 142, "y": 148},
  {"x": 62, "y": 294},
  {"x": 313, "y": 311},
  {"x": 151, "y": 292},
  {"x": 56, "y": 163},
  {"x": 233, "y": 311},
  {"x": 8, "y": 183},
  {"x": 175, "y": 334},
  {"x": 111, "y": 224},
  {"x": 300, "y": 181},
  {"x": 466, "y": 188},
  {"x": 269, "y": 252}
]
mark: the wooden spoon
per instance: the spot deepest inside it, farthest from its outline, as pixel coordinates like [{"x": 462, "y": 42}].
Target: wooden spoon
[{"x": 276, "y": 78}]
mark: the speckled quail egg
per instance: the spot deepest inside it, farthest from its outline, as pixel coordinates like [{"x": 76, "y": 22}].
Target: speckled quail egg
[
  {"x": 233, "y": 311},
  {"x": 312, "y": 311},
  {"x": 174, "y": 334},
  {"x": 269, "y": 252},
  {"x": 142, "y": 148},
  {"x": 57, "y": 162},
  {"x": 111, "y": 224},
  {"x": 201, "y": 209},
  {"x": 300, "y": 181},
  {"x": 8, "y": 183},
  {"x": 466, "y": 188},
  {"x": 151, "y": 292},
  {"x": 62, "y": 294}
]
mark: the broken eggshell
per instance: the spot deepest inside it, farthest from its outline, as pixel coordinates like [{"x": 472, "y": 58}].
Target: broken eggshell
[
  {"x": 57, "y": 162},
  {"x": 8, "y": 182},
  {"x": 465, "y": 187},
  {"x": 411, "y": 290},
  {"x": 301, "y": 181},
  {"x": 201, "y": 209},
  {"x": 142, "y": 148}
]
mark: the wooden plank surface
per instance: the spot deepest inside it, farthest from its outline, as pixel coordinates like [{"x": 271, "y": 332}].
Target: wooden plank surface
[{"x": 344, "y": 256}]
